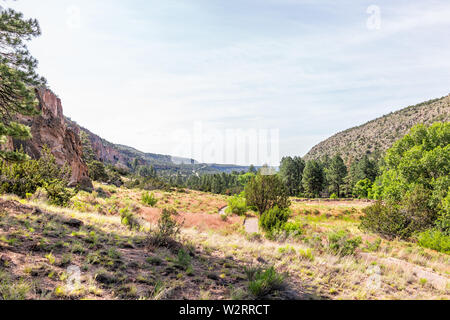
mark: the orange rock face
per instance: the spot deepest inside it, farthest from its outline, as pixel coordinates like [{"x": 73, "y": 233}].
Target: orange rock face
[{"x": 50, "y": 129}]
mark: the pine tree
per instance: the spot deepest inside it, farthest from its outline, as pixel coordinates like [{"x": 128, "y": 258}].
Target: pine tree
[
  {"x": 17, "y": 78},
  {"x": 291, "y": 171},
  {"x": 335, "y": 173},
  {"x": 313, "y": 178}
]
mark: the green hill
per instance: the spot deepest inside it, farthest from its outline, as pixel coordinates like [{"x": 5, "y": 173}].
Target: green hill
[{"x": 379, "y": 135}]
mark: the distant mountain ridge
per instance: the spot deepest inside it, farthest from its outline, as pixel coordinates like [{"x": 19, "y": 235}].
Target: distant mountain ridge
[
  {"x": 380, "y": 134},
  {"x": 124, "y": 156}
]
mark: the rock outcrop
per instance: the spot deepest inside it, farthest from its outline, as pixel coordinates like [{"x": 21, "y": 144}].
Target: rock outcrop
[{"x": 50, "y": 129}]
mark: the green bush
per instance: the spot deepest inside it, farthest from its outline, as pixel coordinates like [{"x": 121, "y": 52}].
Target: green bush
[
  {"x": 443, "y": 220},
  {"x": 58, "y": 194},
  {"x": 362, "y": 189},
  {"x": 341, "y": 244},
  {"x": 293, "y": 228},
  {"x": 149, "y": 199},
  {"x": 167, "y": 230},
  {"x": 436, "y": 240},
  {"x": 274, "y": 219},
  {"x": 263, "y": 282},
  {"x": 412, "y": 214},
  {"x": 334, "y": 196},
  {"x": 22, "y": 178},
  {"x": 129, "y": 219},
  {"x": 237, "y": 205}
]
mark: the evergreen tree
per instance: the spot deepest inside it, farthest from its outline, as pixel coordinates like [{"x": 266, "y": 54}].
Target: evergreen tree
[
  {"x": 291, "y": 172},
  {"x": 17, "y": 78},
  {"x": 313, "y": 178},
  {"x": 88, "y": 152},
  {"x": 335, "y": 173}
]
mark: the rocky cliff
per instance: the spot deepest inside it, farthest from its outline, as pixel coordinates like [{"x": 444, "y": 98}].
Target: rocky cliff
[{"x": 50, "y": 129}]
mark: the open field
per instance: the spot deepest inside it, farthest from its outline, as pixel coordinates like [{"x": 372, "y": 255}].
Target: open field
[{"x": 39, "y": 242}]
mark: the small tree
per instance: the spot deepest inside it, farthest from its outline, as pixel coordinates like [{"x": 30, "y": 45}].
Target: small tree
[
  {"x": 97, "y": 171},
  {"x": 167, "y": 230},
  {"x": 264, "y": 192}
]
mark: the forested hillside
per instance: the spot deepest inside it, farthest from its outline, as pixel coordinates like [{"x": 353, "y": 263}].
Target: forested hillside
[{"x": 380, "y": 134}]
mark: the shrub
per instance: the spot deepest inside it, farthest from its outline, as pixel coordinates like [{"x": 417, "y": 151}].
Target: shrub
[
  {"x": 263, "y": 282},
  {"x": 334, "y": 196},
  {"x": 436, "y": 240},
  {"x": 293, "y": 228},
  {"x": 274, "y": 219},
  {"x": 22, "y": 178},
  {"x": 167, "y": 229},
  {"x": 129, "y": 219},
  {"x": 149, "y": 199},
  {"x": 403, "y": 219},
  {"x": 58, "y": 194},
  {"x": 237, "y": 205},
  {"x": 362, "y": 189},
  {"x": 341, "y": 244},
  {"x": 373, "y": 246}
]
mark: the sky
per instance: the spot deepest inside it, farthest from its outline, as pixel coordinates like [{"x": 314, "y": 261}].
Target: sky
[{"x": 192, "y": 77}]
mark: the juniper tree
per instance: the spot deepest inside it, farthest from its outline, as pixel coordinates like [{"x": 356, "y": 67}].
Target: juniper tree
[{"x": 17, "y": 78}]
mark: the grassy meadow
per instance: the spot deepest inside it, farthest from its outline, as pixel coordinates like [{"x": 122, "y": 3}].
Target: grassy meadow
[{"x": 329, "y": 258}]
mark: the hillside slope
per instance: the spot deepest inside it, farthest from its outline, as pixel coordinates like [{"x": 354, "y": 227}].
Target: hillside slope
[
  {"x": 124, "y": 156},
  {"x": 381, "y": 133}
]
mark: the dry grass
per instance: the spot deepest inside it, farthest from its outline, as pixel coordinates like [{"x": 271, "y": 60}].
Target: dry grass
[{"x": 221, "y": 250}]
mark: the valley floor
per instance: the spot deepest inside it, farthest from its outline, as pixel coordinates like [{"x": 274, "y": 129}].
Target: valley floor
[{"x": 42, "y": 249}]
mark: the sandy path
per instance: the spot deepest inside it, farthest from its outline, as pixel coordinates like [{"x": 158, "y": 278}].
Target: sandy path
[{"x": 251, "y": 225}]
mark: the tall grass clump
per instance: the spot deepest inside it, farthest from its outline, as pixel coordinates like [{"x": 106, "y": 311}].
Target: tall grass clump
[
  {"x": 149, "y": 199},
  {"x": 263, "y": 282},
  {"x": 341, "y": 244}
]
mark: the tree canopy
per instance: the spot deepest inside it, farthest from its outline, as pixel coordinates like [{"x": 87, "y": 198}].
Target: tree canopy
[
  {"x": 415, "y": 182},
  {"x": 17, "y": 78},
  {"x": 265, "y": 192}
]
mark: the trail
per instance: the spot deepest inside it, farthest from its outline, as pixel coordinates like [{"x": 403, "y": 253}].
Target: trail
[{"x": 251, "y": 225}]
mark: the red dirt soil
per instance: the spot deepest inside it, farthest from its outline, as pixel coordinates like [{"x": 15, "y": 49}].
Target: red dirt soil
[{"x": 201, "y": 221}]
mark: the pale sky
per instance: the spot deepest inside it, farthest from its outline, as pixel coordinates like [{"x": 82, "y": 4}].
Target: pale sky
[{"x": 136, "y": 72}]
